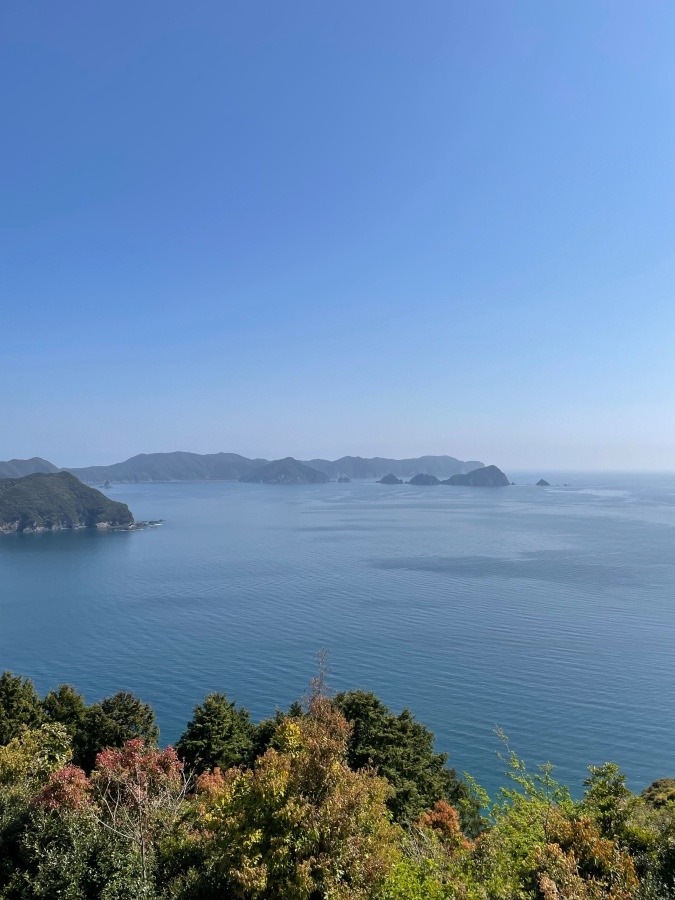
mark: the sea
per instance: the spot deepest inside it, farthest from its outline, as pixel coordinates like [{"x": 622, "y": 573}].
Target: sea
[{"x": 547, "y": 612}]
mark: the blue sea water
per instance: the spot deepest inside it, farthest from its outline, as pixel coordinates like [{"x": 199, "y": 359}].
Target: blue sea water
[{"x": 547, "y": 611}]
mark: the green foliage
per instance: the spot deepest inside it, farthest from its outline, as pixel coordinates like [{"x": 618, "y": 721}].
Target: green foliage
[
  {"x": 402, "y": 751},
  {"x": 218, "y": 735},
  {"x": 296, "y": 808},
  {"x": 67, "y": 706},
  {"x": 55, "y": 500},
  {"x": 19, "y": 706},
  {"x": 111, "y": 723},
  {"x": 412, "y": 880},
  {"x": 301, "y": 825},
  {"x": 26, "y": 763},
  {"x": 660, "y": 793},
  {"x": 607, "y": 800}
]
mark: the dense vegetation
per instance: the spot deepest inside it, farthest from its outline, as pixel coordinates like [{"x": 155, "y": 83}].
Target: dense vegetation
[
  {"x": 337, "y": 799},
  {"x": 55, "y": 500}
]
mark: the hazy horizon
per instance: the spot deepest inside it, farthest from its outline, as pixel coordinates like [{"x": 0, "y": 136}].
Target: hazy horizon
[
  {"x": 540, "y": 470},
  {"x": 367, "y": 229}
]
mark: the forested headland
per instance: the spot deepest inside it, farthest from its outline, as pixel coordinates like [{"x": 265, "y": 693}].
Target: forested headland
[{"x": 336, "y": 798}]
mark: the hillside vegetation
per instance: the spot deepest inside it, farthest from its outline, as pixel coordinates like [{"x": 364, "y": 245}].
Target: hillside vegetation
[
  {"x": 17, "y": 468},
  {"x": 336, "y": 799},
  {"x": 52, "y": 501}
]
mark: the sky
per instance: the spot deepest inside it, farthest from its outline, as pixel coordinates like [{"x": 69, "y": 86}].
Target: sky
[{"x": 317, "y": 229}]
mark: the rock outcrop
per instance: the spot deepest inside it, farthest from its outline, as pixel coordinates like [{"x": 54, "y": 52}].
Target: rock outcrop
[
  {"x": 390, "y": 479},
  {"x": 424, "y": 479}
]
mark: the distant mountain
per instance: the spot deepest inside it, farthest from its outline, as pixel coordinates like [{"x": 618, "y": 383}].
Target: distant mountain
[
  {"x": 178, "y": 466},
  {"x": 424, "y": 479},
  {"x": 358, "y": 467},
  {"x": 390, "y": 478},
  {"x": 17, "y": 468},
  {"x": 286, "y": 471},
  {"x": 56, "y": 500},
  {"x": 181, "y": 466},
  {"x": 488, "y": 476}
]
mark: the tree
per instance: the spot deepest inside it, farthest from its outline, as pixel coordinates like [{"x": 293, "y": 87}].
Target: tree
[
  {"x": 301, "y": 825},
  {"x": 111, "y": 723},
  {"x": 607, "y": 800},
  {"x": 26, "y": 764},
  {"x": 67, "y": 706},
  {"x": 402, "y": 751},
  {"x": 137, "y": 794},
  {"x": 218, "y": 735},
  {"x": 542, "y": 845},
  {"x": 19, "y": 706}
]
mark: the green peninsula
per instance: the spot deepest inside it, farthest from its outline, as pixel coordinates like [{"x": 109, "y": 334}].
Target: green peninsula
[{"x": 55, "y": 501}]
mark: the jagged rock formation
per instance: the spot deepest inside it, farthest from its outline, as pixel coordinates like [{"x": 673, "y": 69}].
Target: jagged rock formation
[
  {"x": 344, "y": 480},
  {"x": 54, "y": 501},
  {"x": 390, "y": 479},
  {"x": 488, "y": 476},
  {"x": 286, "y": 471},
  {"x": 424, "y": 479}
]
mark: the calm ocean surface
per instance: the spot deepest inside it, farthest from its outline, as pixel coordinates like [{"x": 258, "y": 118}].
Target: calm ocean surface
[{"x": 549, "y": 612}]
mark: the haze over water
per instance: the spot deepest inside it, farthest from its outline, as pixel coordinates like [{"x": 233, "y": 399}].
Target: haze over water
[{"x": 549, "y": 612}]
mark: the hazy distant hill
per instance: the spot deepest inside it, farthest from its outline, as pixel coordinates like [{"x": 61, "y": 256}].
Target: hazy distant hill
[
  {"x": 358, "y": 467},
  {"x": 286, "y": 471},
  {"x": 17, "y": 468},
  {"x": 55, "y": 500},
  {"x": 178, "y": 466},
  {"x": 182, "y": 466}
]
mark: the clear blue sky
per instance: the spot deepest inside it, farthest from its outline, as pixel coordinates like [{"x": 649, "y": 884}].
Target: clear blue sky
[{"x": 317, "y": 228}]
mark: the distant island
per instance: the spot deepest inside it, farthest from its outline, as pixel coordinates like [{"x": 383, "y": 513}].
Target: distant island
[
  {"x": 424, "y": 479},
  {"x": 286, "y": 471},
  {"x": 543, "y": 483},
  {"x": 183, "y": 466},
  {"x": 54, "y": 501},
  {"x": 488, "y": 476}
]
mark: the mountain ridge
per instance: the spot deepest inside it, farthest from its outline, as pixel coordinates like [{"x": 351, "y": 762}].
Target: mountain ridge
[{"x": 187, "y": 466}]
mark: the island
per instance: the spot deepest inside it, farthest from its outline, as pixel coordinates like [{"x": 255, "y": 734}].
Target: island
[
  {"x": 424, "y": 479},
  {"x": 543, "y": 483},
  {"x": 55, "y": 501},
  {"x": 343, "y": 479},
  {"x": 286, "y": 471},
  {"x": 390, "y": 479},
  {"x": 488, "y": 476}
]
